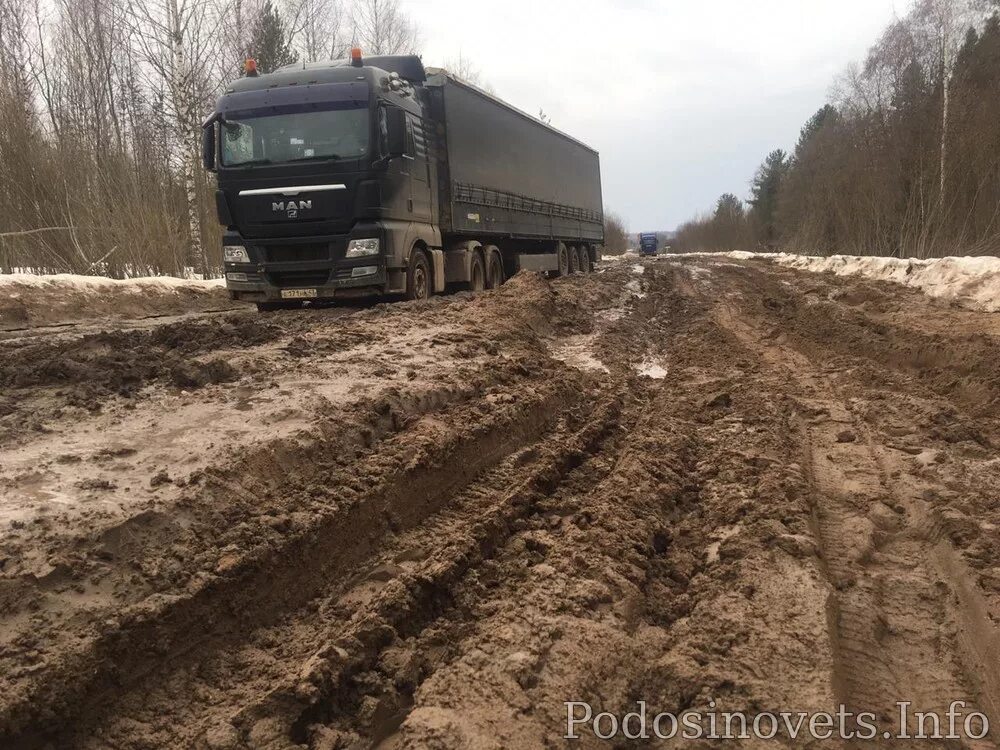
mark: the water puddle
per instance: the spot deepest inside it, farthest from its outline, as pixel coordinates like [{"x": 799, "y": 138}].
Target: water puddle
[
  {"x": 652, "y": 369},
  {"x": 576, "y": 352}
]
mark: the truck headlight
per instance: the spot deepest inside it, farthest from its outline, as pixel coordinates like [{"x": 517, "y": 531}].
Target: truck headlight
[
  {"x": 235, "y": 254},
  {"x": 361, "y": 248}
]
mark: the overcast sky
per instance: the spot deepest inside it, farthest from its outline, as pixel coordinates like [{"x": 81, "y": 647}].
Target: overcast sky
[{"x": 683, "y": 98}]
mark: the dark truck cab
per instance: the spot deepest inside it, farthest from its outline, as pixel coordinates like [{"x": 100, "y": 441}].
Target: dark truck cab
[
  {"x": 369, "y": 177},
  {"x": 649, "y": 243}
]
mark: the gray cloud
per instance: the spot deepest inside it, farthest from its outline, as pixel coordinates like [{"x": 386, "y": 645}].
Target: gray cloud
[{"x": 682, "y": 98}]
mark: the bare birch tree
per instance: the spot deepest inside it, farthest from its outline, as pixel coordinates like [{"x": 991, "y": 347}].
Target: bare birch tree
[
  {"x": 318, "y": 29},
  {"x": 942, "y": 24},
  {"x": 183, "y": 63},
  {"x": 463, "y": 67},
  {"x": 379, "y": 27}
]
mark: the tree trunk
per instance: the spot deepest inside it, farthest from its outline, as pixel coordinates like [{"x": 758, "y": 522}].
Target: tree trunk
[
  {"x": 196, "y": 251},
  {"x": 945, "y": 86}
]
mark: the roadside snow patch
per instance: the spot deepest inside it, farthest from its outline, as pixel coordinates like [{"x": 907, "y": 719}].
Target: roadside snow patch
[
  {"x": 101, "y": 283},
  {"x": 32, "y": 301},
  {"x": 971, "y": 282},
  {"x": 638, "y": 269}
]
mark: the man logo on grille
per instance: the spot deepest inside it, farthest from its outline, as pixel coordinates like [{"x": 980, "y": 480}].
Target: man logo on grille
[{"x": 291, "y": 208}]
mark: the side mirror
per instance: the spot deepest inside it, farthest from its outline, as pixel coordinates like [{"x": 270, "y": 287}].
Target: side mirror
[
  {"x": 395, "y": 131},
  {"x": 208, "y": 147}
]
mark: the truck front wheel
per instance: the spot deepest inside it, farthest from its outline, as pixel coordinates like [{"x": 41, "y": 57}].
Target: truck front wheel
[{"x": 418, "y": 276}]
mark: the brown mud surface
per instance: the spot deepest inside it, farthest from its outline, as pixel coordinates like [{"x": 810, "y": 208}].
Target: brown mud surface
[
  {"x": 49, "y": 304},
  {"x": 692, "y": 482}
]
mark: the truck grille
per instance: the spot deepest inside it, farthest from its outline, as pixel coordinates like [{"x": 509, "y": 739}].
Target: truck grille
[
  {"x": 297, "y": 253},
  {"x": 291, "y": 279}
]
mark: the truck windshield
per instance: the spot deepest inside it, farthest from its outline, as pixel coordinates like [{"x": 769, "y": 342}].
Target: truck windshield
[{"x": 274, "y": 135}]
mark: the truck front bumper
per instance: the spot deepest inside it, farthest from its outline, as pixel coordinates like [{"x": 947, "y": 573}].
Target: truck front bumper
[
  {"x": 250, "y": 282},
  {"x": 304, "y": 268}
]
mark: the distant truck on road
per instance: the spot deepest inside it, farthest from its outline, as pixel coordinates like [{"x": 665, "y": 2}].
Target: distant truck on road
[
  {"x": 376, "y": 176},
  {"x": 649, "y": 244}
]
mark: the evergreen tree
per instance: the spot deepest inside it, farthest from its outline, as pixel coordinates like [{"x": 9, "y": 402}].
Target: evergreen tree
[
  {"x": 729, "y": 208},
  {"x": 271, "y": 40},
  {"x": 764, "y": 190},
  {"x": 825, "y": 115},
  {"x": 978, "y": 63}
]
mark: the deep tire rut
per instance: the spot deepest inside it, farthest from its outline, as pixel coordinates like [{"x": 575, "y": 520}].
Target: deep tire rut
[
  {"x": 900, "y": 626},
  {"x": 260, "y": 585},
  {"x": 404, "y": 585}
]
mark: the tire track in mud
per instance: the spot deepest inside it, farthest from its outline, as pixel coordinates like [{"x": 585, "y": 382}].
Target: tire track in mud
[
  {"x": 396, "y": 598},
  {"x": 255, "y": 538},
  {"x": 537, "y": 510},
  {"x": 120, "y": 359},
  {"x": 419, "y": 471},
  {"x": 648, "y": 573},
  {"x": 328, "y": 692},
  {"x": 405, "y": 600},
  {"x": 904, "y": 622},
  {"x": 72, "y": 329}
]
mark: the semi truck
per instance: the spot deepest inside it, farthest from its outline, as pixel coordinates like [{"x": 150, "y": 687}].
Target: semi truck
[
  {"x": 376, "y": 176},
  {"x": 649, "y": 243}
]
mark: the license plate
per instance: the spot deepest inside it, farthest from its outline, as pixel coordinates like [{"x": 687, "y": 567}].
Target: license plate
[{"x": 298, "y": 293}]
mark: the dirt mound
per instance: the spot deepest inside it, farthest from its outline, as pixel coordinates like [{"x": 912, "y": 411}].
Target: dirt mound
[
  {"x": 42, "y": 378},
  {"x": 124, "y": 360},
  {"x": 28, "y": 301},
  {"x": 957, "y": 364}
]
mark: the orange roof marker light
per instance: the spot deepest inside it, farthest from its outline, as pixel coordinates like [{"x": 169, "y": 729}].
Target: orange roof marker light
[
  {"x": 250, "y": 68},
  {"x": 356, "y": 57}
]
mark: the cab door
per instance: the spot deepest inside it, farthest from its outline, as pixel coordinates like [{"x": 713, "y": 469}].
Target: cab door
[{"x": 417, "y": 163}]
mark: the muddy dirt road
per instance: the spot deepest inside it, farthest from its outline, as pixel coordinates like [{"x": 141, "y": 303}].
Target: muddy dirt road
[{"x": 698, "y": 483}]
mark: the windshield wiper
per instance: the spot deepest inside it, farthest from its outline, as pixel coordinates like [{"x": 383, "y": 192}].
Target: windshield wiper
[
  {"x": 252, "y": 163},
  {"x": 323, "y": 157}
]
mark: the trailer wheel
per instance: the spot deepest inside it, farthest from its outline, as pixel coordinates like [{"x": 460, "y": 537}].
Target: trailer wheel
[
  {"x": 584, "y": 259},
  {"x": 574, "y": 259},
  {"x": 563, "y": 261},
  {"x": 477, "y": 273},
  {"x": 494, "y": 268},
  {"x": 418, "y": 276}
]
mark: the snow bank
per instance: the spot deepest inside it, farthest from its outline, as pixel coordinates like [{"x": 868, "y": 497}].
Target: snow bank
[
  {"x": 971, "y": 282},
  {"x": 69, "y": 281},
  {"x": 629, "y": 255},
  {"x": 30, "y": 300}
]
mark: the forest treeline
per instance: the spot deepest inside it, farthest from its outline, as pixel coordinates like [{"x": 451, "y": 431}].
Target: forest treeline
[
  {"x": 904, "y": 160},
  {"x": 101, "y": 104}
]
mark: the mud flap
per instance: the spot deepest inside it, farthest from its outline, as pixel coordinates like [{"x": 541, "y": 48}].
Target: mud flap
[
  {"x": 395, "y": 281},
  {"x": 437, "y": 259}
]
